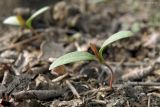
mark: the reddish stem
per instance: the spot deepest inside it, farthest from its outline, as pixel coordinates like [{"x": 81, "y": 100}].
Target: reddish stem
[
  {"x": 101, "y": 60},
  {"x": 111, "y": 76}
]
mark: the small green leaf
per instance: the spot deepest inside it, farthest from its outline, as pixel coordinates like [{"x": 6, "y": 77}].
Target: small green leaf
[
  {"x": 72, "y": 57},
  {"x": 40, "y": 11},
  {"x": 12, "y": 20},
  {"x": 115, "y": 37}
]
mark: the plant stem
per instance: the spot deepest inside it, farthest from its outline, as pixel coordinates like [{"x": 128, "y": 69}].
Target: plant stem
[
  {"x": 112, "y": 74},
  {"x": 21, "y": 21},
  {"x": 102, "y": 61}
]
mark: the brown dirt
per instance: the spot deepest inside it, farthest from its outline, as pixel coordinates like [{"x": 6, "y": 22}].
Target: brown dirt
[{"x": 25, "y": 55}]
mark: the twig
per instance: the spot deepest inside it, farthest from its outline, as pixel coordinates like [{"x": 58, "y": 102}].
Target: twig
[
  {"x": 6, "y": 61},
  {"x": 128, "y": 105},
  {"x": 74, "y": 91},
  {"x": 42, "y": 33},
  {"x": 97, "y": 90},
  {"x": 71, "y": 103},
  {"x": 60, "y": 78},
  {"x": 126, "y": 84},
  {"x": 99, "y": 101},
  {"x": 149, "y": 101},
  {"x": 78, "y": 77},
  {"x": 129, "y": 64},
  {"x": 5, "y": 77},
  {"x": 156, "y": 94},
  {"x": 37, "y": 94},
  {"x": 143, "y": 83},
  {"x": 138, "y": 74},
  {"x": 22, "y": 42},
  {"x": 89, "y": 91}
]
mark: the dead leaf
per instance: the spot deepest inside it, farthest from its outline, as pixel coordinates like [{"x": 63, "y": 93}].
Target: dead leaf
[
  {"x": 137, "y": 73},
  {"x": 60, "y": 70},
  {"x": 51, "y": 49},
  {"x": 153, "y": 39}
]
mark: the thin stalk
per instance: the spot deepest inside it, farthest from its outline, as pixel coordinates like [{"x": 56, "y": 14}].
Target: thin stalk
[
  {"x": 102, "y": 61},
  {"x": 111, "y": 75}
]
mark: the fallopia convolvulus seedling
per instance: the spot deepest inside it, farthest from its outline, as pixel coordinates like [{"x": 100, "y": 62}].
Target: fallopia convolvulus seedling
[
  {"x": 98, "y": 55},
  {"x": 18, "y": 20}
]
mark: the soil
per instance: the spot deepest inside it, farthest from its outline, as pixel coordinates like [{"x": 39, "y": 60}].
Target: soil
[{"x": 70, "y": 25}]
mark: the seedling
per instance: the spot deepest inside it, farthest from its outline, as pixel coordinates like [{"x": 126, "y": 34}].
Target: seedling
[
  {"x": 98, "y": 55},
  {"x": 19, "y": 21}
]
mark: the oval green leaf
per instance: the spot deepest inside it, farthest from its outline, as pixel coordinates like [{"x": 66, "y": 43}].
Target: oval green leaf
[
  {"x": 38, "y": 12},
  {"x": 115, "y": 37},
  {"x": 72, "y": 57},
  {"x": 12, "y": 20}
]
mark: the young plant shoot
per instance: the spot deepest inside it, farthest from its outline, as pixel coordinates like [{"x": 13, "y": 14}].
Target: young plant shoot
[
  {"x": 98, "y": 55},
  {"x": 19, "y": 21}
]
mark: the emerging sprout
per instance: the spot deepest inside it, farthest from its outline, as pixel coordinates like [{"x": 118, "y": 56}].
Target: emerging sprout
[
  {"x": 80, "y": 56},
  {"x": 19, "y": 21}
]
